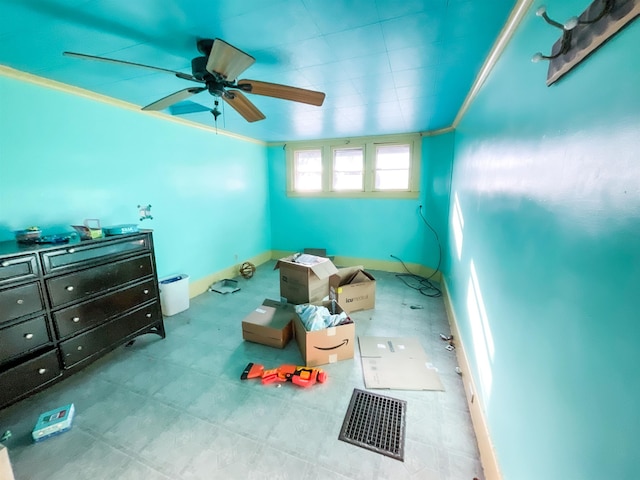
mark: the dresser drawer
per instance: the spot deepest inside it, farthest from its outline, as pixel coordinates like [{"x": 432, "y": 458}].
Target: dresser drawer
[
  {"x": 76, "y": 286},
  {"x": 87, "y": 344},
  {"x": 94, "y": 312},
  {"x": 23, "y": 337},
  {"x": 77, "y": 256},
  {"x": 18, "y": 301},
  {"x": 13, "y": 269},
  {"x": 28, "y": 376}
]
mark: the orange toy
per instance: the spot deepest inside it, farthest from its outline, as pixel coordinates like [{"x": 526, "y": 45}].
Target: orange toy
[{"x": 301, "y": 376}]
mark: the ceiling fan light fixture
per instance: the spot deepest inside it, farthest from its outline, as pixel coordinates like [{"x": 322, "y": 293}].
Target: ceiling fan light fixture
[{"x": 215, "y": 112}]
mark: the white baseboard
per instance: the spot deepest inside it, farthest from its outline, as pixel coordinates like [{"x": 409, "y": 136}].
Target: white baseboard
[
  {"x": 485, "y": 445},
  {"x": 384, "y": 265},
  {"x": 201, "y": 285}
]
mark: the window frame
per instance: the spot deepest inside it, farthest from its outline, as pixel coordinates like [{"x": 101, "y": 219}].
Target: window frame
[{"x": 368, "y": 145}]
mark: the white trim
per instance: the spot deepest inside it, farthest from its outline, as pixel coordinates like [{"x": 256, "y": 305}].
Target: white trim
[
  {"x": 517, "y": 14},
  {"x": 488, "y": 455},
  {"x": 63, "y": 87}
]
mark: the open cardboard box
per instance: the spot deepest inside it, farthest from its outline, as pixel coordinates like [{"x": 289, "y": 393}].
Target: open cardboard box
[
  {"x": 305, "y": 278},
  {"x": 270, "y": 324},
  {"x": 353, "y": 288},
  {"x": 329, "y": 345}
]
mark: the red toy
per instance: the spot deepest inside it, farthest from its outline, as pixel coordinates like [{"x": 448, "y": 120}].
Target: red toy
[{"x": 301, "y": 376}]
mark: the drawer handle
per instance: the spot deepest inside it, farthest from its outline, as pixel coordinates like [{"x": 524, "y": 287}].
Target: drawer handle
[
  {"x": 20, "y": 301},
  {"x": 148, "y": 315},
  {"x": 79, "y": 347},
  {"x": 28, "y": 336},
  {"x": 75, "y": 319},
  {"x": 69, "y": 288},
  {"x": 71, "y": 250},
  {"x": 145, "y": 291},
  {"x": 42, "y": 371},
  {"x": 5, "y": 264}
]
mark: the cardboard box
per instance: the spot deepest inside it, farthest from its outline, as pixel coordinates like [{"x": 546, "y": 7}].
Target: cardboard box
[
  {"x": 6, "y": 472},
  {"x": 270, "y": 324},
  {"x": 305, "y": 278},
  {"x": 53, "y": 422},
  {"x": 397, "y": 363},
  {"x": 329, "y": 345},
  {"x": 353, "y": 288}
]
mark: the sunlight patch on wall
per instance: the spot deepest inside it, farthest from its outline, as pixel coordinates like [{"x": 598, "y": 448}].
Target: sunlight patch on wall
[
  {"x": 458, "y": 225},
  {"x": 483, "y": 346},
  {"x": 564, "y": 174}
]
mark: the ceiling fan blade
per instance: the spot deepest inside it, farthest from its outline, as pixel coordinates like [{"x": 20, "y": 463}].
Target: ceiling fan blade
[
  {"x": 173, "y": 98},
  {"x": 227, "y": 60},
  {"x": 186, "y": 107},
  {"x": 184, "y": 76},
  {"x": 285, "y": 92},
  {"x": 243, "y": 106}
]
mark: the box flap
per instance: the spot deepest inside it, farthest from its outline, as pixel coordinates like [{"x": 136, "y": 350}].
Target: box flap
[
  {"x": 344, "y": 275},
  {"x": 361, "y": 277},
  {"x": 272, "y": 314},
  {"x": 324, "y": 269},
  {"x": 321, "y": 267}
]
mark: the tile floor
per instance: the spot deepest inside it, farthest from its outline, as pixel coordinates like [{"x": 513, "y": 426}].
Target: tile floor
[{"x": 176, "y": 409}]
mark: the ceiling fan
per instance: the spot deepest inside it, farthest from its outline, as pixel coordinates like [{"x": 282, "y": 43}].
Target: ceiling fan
[{"x": 216, "y": 71}]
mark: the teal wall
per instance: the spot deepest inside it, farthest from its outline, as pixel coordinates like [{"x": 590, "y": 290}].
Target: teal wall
[
  {"x": 372, "y": 229},
  {"x": 64, "y": 158},
  {"x": 545, "y": 289}
]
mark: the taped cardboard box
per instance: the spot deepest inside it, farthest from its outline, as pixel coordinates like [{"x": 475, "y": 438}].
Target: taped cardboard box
[
  {"x": 329, "y": 345},
  {"x": 6, "y": 472},
  {"x": 353, "y": 288},
  {"x": 270, "y": 324},
  {"x": 305, "y": 278}
]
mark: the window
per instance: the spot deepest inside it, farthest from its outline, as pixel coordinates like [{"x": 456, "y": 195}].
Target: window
[
  {"x": 364, "y": 167},
  {"x": 348, "y": 169},
  {"x": 393, "y": 164},
  {"x": 308, "y": 170}
]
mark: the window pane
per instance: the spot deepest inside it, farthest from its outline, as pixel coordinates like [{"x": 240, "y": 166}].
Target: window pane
[
  {"x": 392, "y": 180},
  {"x": 307, "y": 170},
  {"x": 392, "y": 157},
  {"x": 392, "y": 167},
  {"x": 347, "y": 169}
]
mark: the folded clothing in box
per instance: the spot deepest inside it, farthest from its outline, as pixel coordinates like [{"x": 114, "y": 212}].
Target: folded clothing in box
[{"x": 327, "y": 345}]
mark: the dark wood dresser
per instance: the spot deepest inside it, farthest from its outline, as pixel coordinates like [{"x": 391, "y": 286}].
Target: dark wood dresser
[{"x": 63, "y": 306}]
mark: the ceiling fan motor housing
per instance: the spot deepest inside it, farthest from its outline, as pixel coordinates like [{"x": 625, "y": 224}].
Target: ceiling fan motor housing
[{"x": 199, "y": 68}]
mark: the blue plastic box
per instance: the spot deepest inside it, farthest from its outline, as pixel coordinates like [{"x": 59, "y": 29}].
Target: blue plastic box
[{"x": 121, "y": 229}]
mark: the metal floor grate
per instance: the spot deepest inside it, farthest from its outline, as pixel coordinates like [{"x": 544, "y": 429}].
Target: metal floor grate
[{"x": 375, "y": 422}]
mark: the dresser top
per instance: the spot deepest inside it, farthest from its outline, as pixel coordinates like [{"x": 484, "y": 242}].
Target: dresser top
[{"x": 12, "y": 247}]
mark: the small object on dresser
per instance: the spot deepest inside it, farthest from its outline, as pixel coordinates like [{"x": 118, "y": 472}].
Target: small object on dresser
[
  {"x": 53, "y": 422},
  {"x": 90, "y": 230},
  {"x": 28, "y": 235},
  {"x": 121, "y": 229}
]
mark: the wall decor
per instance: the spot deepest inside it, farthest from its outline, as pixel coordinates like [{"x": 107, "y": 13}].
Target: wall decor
[{"x": 584, "y": 34}]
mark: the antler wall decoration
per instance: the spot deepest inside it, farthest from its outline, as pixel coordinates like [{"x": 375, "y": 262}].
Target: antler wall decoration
[{"x": 582, "y": 35}]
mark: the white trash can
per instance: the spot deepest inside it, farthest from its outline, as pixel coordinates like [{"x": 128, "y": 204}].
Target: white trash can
[{"x": 174, "y": 294}]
